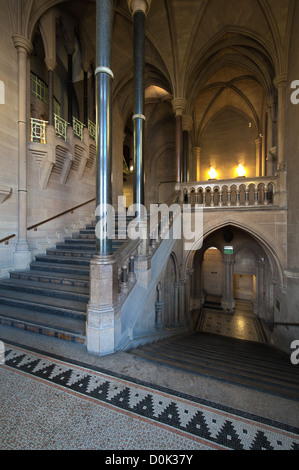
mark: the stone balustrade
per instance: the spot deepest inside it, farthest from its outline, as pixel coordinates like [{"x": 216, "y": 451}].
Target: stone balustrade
[{"x": 239, "y": 192}]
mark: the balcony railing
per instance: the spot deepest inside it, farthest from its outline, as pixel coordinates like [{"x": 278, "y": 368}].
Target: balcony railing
[
  {"x": 38, "y": 131},
  {"x": 60, "y": 127},
  {"x": 92, "y": 129},
  {"x": 230, "y": 193},
  {"x": 78, "y": 128}
]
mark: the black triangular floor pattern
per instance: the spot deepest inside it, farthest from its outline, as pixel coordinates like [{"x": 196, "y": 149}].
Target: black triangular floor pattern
[{"x": 219, "y": 426}]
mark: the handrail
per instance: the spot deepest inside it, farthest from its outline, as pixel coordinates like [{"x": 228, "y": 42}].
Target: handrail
[
  {"x": 284, "y": 324},
  {"x": 60, "y": 214},
  {"x": 7, "y": 238},
  {"x": 35, "y": 226}
]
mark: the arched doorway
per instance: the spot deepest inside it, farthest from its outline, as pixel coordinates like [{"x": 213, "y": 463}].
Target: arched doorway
[{"x": 234, "y": 276}]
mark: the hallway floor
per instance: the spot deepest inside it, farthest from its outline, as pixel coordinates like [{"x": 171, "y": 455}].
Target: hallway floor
[
  {"x": 241, "y": 325},
  {"x": 53, "y": 395}
]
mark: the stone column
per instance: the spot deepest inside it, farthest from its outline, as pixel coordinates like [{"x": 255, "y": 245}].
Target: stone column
[
  {"x": 258, "y": 144},
  {"x": 271, "y": 150},
  {"x": 103, "y": 321},
  {"x": 176, "y": 287},
  {"x": 70, "y": 88},
  {"x": 47, "y": 25},
  {"x": 187, "y": 123},
  {"x": 179, "y": 105},
  {"x": 281, "y": 84},
  {"x": 259, "y": 300},
  {"x": 22, "y": 256},
  {"x": 228, "y": 301},
  {"x": 85, "y": 67},
  {"x": 51, "y": 65},
  {"x": 139, "y": 10},
  {"x": 196, "y": 160}
]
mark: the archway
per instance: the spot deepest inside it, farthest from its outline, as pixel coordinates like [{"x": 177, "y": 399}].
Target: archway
[{"x": 248, "y": 277}]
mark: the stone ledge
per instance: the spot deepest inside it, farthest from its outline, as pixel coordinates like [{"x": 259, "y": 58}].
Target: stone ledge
[{"x": 5, "y": 193}]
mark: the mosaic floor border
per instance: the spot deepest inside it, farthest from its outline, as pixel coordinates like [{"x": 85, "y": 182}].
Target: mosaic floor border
[{"x": 218, "y": 426}]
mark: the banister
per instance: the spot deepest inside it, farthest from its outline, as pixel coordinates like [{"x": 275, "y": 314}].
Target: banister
[
  {"x": 6, "y": 239},
  {"x": 35, "y": 226},
  {"x": 60, "y": 214}
]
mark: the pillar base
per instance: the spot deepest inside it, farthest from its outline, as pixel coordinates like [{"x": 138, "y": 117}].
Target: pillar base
[
  {"x": 228, "y": 306},
  {"x": 103, "y": 326},
  {"x": 22, "y": 256},
  {"x": 103, "y": 329}
]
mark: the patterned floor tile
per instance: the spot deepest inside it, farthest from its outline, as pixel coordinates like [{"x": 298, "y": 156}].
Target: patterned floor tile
[{"x": 116, "y": 403}]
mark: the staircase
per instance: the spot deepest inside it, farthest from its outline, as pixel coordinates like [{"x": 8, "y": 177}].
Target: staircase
[
  {"x": 51, "y": 298},
  {"x": 244, "y": 363}
]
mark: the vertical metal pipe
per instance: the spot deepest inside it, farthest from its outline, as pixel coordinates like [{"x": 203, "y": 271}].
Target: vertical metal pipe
[
  {"x": 139, "y": 100},
  {"x": 104, "y": 77}
]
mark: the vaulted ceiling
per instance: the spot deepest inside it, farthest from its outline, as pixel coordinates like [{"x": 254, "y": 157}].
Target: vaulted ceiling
[{"x": 214, "y": 53}]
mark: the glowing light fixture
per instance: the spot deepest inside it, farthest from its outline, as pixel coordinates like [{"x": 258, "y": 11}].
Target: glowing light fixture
[
  {"x": 213, "y": 173},
  {"x": 131, "y": 166},
  {"x": 241, "y": 172}
]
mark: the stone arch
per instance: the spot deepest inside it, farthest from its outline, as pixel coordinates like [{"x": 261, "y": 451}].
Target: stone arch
[{"x": 276, "y": 262}]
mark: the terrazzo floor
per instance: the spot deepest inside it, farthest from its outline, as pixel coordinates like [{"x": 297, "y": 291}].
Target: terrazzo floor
[
  {"x": 49, "y": 404},
  {"x": 53, "y": 396},
  {"x": 241, "y": 325}
]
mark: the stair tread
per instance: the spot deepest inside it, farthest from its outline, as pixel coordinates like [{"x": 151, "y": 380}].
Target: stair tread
[
  {"x": 282, "y": 389},
  {"x": 43, "y": 263},
  {"x": 52, "y": 275},
  {"x": 47, "y": 286},
  {"x": 249, "y": 369},
  {"x": 275, "y": 365},
  {"x": 73, "y": 325},
  {"x": 271, "y": 374},
  {"x": 62, "y": 260},
  {"x": 44, "y": 300}
]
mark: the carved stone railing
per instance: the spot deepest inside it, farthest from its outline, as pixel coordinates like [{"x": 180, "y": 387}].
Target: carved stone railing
[
  {"x": 112, "y": 278},
  {"x": 125, "y": 258},
  {"x": 234, "y": 193}
]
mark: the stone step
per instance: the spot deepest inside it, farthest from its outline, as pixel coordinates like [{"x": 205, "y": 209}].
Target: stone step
[
  {"x": 59, "y": 268},
  {"x": 70, "y": 254},
  {"x": 64, "y": 328},
  {"x": 227, "y": 360},
  {"x": 44, "y": 303},
  {"x": 52, "y": 278},
  {"x": 63, "y": 291},
  {"x": 51, "y": 297},
  {"x": 239, "y": 362},
  {"x": 65, "y": 260}
]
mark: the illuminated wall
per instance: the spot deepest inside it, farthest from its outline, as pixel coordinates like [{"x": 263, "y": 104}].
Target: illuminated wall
[{"x": 227, "y": 142}]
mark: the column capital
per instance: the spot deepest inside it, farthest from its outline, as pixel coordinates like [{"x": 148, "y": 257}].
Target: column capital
[
  {"x": 139, "y": 5},
  {"x": 187, "y": 122},
  {"x": 50, "y": 63},
  {"x": 196, "y": 150},
  {"x": 178, "y": 106},
  {"x": 280, "y": 80},
  {"x": 22, "y": 44},
  {"x": 85, "y": 65},
  {"x": 228, "y": 259}
]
